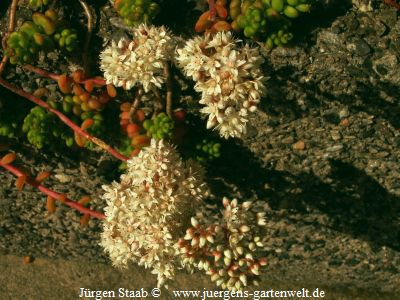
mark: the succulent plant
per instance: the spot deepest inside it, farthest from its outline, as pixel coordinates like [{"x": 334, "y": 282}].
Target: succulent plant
[
  {"x": 133, "y": 133},
  {"x": 88, "y": 109},
  {"x": 135, "y": 12},
  {"x": 75, "y": 104},
  {"x": 252, "y": 21},
  {"x": 97, "y": 126},
  {"x": 10, "y": 117},
  {"x": 42, "y": 128},
  {"x": 267, "y": 20},
  {"x": 125, "y": 147},
  {"x": 38, "y": 3},
  {"x": 278, "y": 38},
  {"x": 84, "y": 100},
  {"x": 8, "y": 128},
  {"x": 39, "y": 123},
  {"x": 23, "y": 46},
  {"x": 160, "y": 127},
  {"x": 205, "y": 23},
  {"x": 207, "y": 150},
  {"x": 67, "y": 39},
  {"x": 41, "y": 33}
]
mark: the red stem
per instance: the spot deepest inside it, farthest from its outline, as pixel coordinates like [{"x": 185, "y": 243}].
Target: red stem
[
  {"x": 211, "y": 6},
  {"x": 64, "y": 119},
  {"x": 17, "y": 172},
  {"x": 41, "y": 72},
  {"x": 392, "y": 3},
  {"x": 11, "y": 26},
  {"x": 44, "y": 73}
]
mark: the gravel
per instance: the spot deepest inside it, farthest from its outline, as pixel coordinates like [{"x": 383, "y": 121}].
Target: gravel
[{"x": 327, "y": 139}]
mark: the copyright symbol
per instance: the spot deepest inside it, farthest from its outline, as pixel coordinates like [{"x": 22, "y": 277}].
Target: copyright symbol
[{"x": 156, "y": 292}]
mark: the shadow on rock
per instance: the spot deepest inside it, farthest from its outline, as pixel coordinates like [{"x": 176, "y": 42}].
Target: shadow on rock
[
  {"x": 237, "y": 173},
  {"x": 321, "y": 16},
  {"x": 379, "y": 100},
  {"x": 375, "y": 102},
  {"x": 354, "y": 202},
  {"x": 360, "y": 206}
]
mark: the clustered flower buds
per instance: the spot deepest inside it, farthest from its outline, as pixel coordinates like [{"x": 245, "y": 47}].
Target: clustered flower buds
[
  {"x": 139, "y": 62},
  {"x": 229, "y": 77},
  {"x": 228, "y": 249},
  {"x": 148, "y": 209}
]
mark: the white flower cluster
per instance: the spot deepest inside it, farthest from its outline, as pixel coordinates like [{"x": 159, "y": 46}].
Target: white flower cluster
[
  {"x": 148, "y": 210},
  {"x": 140, "y": 61},
  {"x": 230, "y": 248},
  {"x": 228, "y": 76}
]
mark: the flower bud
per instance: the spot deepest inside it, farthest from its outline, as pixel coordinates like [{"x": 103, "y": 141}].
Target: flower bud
[
  {"x": 243, "y": 279},
  {"x": 244, "y": 228},
  {"x": 239, "y": 250},
  {"x": 214, "y": 277},
  {"x": 202, "y": 241},
  {"x": 228, "y": 253},
  {"x": 227, "y": 261}
]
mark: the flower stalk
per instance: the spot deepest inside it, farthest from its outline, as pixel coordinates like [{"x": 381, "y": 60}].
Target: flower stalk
[
  {"x": 135, "y": 105},
  {"x": 168, "y": 102}
]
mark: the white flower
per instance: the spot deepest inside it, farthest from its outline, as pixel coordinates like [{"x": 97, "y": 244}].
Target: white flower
[
  {"x": 228, "y": 247},
  {"x": 229, "y": 78},
  {"x": 149, "y": 208},
  {"x": 139, "y": 61}
]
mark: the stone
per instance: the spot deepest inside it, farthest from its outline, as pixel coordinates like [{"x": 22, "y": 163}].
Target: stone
[
  {"x": 344, "y": 123},
  {"x": 300, "y": 145},
  {"x": 387, "y": 67},
  {"x": 359, "y": 46},
  {"x": 335, "y": 148},
  {"x": 335, "y": 134},
  {"x": 344, "y": 113}
]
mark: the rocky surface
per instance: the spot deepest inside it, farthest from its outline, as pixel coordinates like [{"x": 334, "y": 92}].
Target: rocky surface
[
  {"x": 329, "y": 137},
  {"x": 323, "y": 151},
  {"x": 26, "y": 227}
]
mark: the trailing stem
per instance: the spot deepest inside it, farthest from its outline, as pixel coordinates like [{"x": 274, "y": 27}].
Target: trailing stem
[
  {"x": 64, "y": 119},
  {"x": 11, "y": 26},
  {"x": 211, "y": 5},
  {"x": 60, "y": 197},
  {"x": 392, "y": 3},
  {"x": 44, "y": 73}
]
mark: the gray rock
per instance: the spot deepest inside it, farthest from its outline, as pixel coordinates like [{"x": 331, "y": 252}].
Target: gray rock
[{"x": 358, "y": 46}]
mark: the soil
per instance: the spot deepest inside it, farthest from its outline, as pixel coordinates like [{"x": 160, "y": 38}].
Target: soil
[
  {"x": 323, "y": 151},
  {"x": 62, "y": 279}
]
